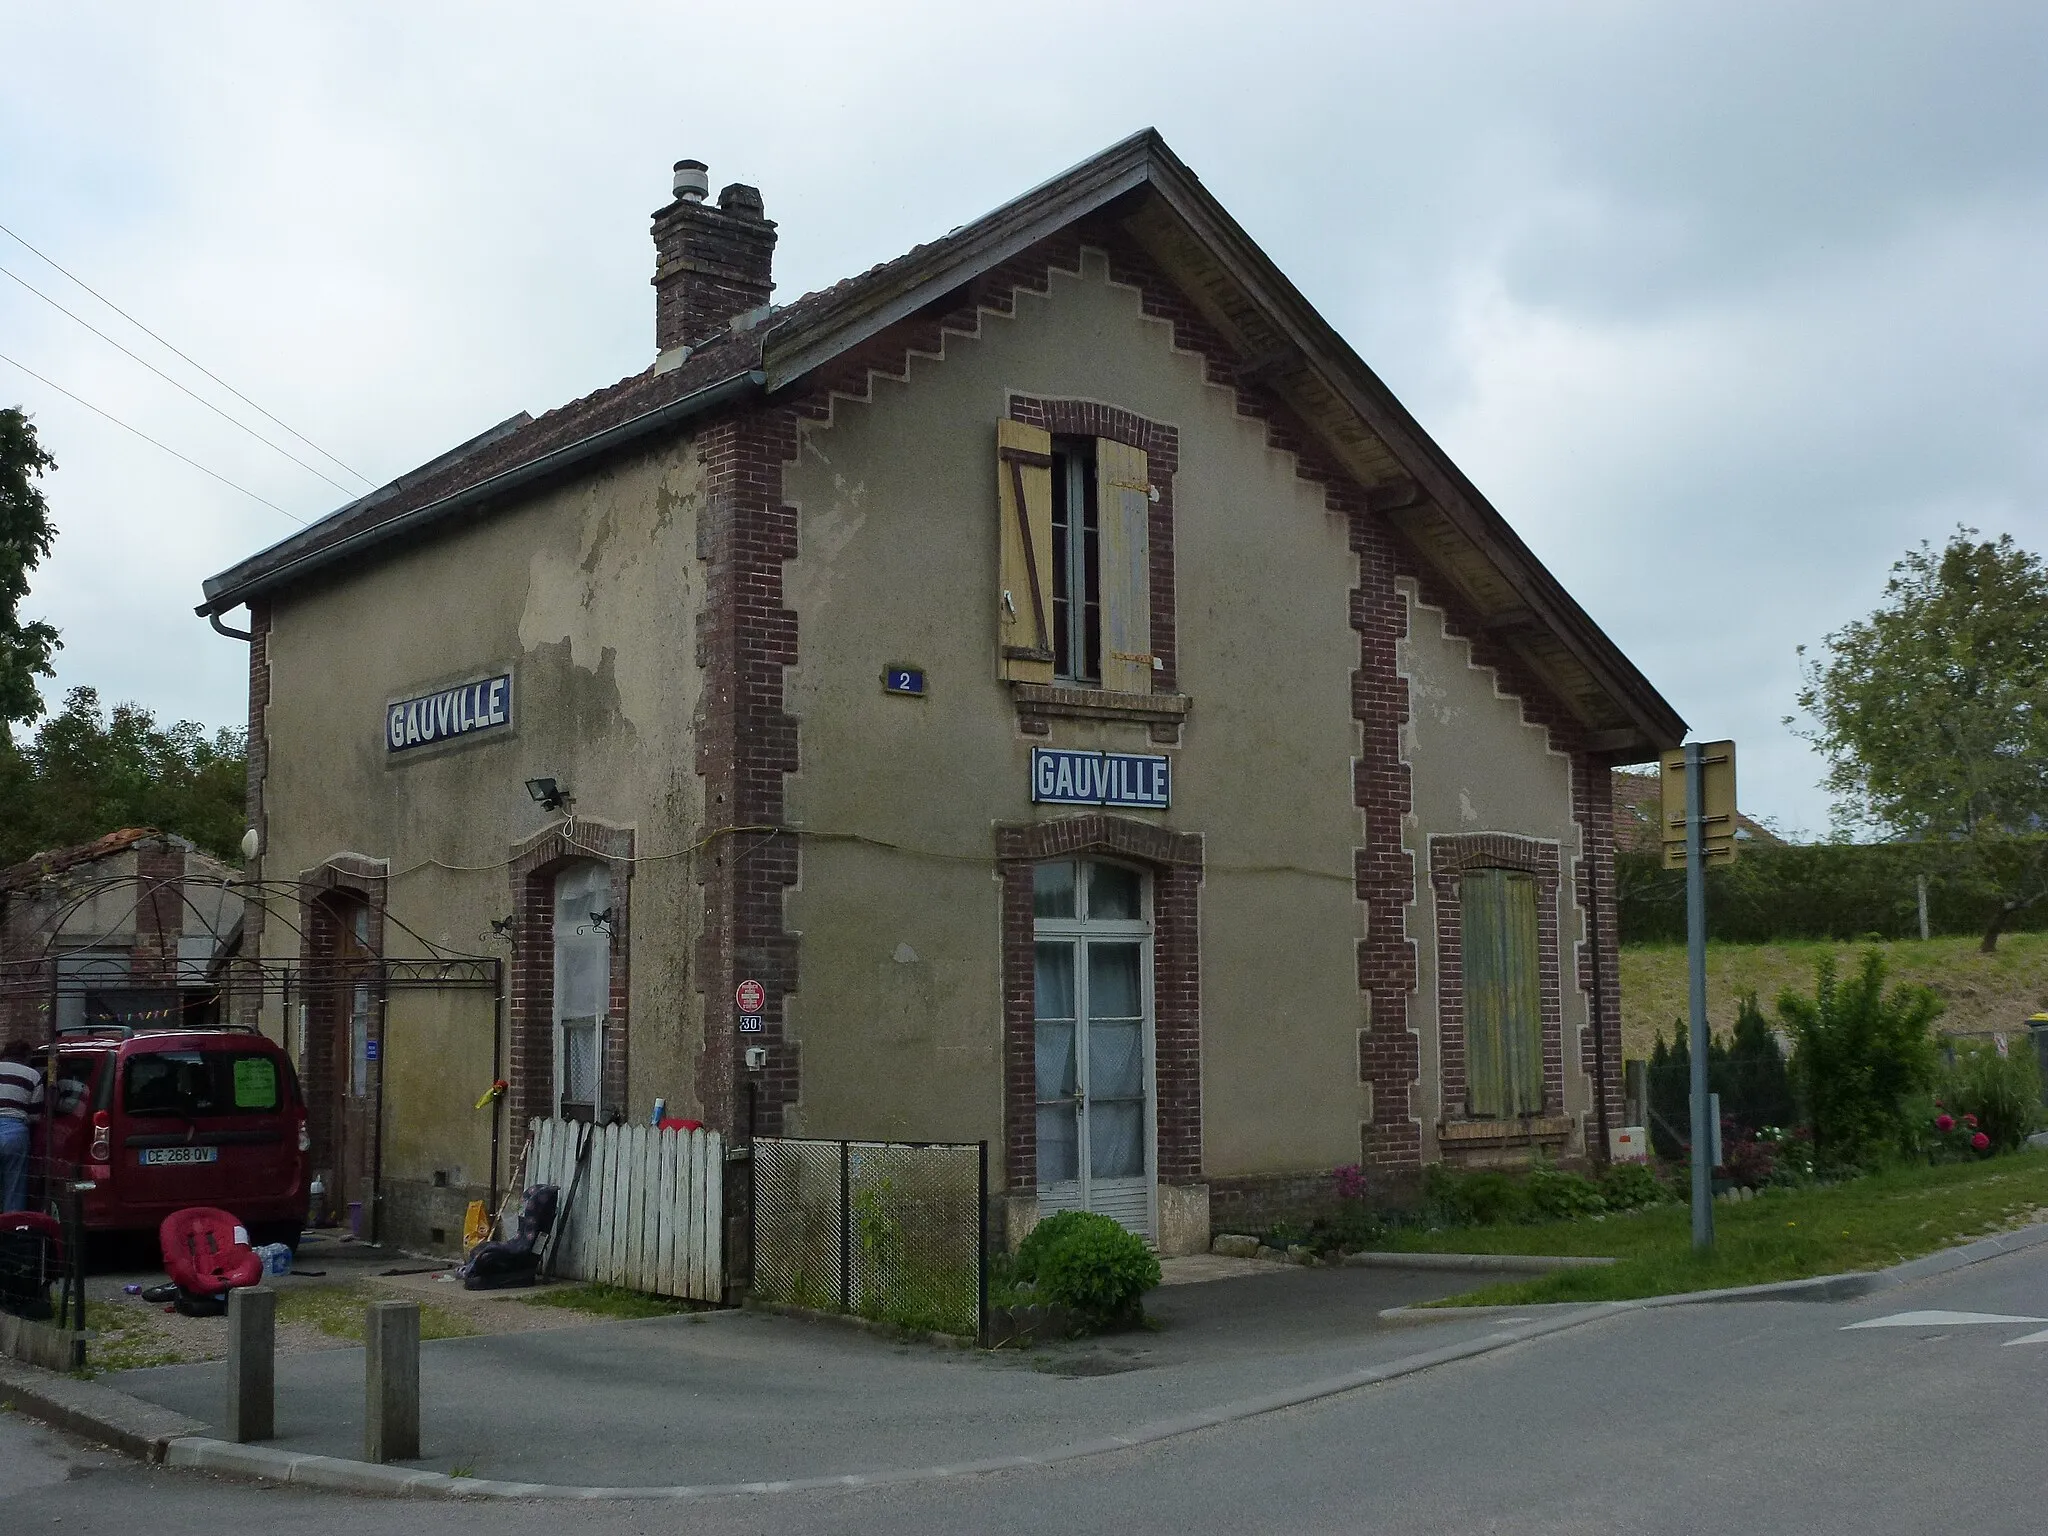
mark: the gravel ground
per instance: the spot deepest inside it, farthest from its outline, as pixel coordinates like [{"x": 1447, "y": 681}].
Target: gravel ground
[{"x": 319, "y": 1306}]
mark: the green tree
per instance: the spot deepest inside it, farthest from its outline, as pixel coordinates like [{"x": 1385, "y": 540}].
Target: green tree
[
  {"x": 25, "y": 535},
  {"x": 86, "y": 773},
  {"x": 1933, "y": 714},
  {"x": 1860, "y": 1056}
]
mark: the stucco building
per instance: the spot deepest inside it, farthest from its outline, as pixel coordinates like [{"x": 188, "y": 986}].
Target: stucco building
[{"x": 1050, "y": 665}]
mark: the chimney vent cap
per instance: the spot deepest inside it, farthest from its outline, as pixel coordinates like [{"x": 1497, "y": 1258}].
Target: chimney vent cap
[
  {"x": 693, "y": 181},
  {"x": 741, "y": 199}
]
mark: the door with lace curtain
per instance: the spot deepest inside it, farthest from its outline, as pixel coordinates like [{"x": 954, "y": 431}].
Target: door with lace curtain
[
  {"x": 583, "y": 987},
  {"x": 1094, "y": 1041}
]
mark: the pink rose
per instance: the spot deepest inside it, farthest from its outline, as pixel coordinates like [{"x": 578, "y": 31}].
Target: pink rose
[
  {"x": 1980, "y": 1141},
  {"x": 1944, "y": 1124},
  {"x": 1970, "y": 1120}
]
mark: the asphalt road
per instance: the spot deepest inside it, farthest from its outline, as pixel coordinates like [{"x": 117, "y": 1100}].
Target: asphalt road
[{"x": 1779, "y": 1417}]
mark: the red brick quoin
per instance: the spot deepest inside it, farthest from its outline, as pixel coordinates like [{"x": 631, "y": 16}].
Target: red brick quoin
[
  {"x": 1449, "y": 859},
  {"x": 747, "y": 742},
  {"x": 1174, "y": 860},
  {"x": 536, "y": 861}
]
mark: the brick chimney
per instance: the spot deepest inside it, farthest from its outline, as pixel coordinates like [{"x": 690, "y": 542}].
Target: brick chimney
[{"x": 710, "y": 264}]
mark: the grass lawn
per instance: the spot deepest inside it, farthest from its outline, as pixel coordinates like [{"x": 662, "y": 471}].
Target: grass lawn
[
  {"x": 338, "y": 1312},
  {"x": 611, "y": 1301},
  {"x": 124, "y": 1339},
  {"x": 1867, "y": 1223},
  {"x": 1982, "y": 992}
]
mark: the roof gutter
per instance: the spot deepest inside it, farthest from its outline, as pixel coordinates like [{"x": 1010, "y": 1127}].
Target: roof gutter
[{"x": 224, "y": 591}]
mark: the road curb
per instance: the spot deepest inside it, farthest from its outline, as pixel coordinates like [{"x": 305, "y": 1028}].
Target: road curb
[
  {"x": 93, "y": 1412},
  {"x": 1478, "y": 1263},
  {"x": 1843, "y": 1287},
  {"x": 334, "y": 1474}
]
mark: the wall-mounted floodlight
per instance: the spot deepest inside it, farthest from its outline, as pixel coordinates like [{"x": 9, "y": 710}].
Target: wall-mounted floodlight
[{"x": 548, "y": 794}]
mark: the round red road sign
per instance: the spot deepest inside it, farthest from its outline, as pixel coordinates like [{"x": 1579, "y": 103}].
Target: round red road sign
[{"x": 750, "y": 996}]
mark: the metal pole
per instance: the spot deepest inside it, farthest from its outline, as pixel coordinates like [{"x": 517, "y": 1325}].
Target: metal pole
[{"x": 1696, "y": 965}]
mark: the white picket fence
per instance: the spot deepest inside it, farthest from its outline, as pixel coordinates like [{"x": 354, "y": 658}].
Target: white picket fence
[{"x": 647, "y": 1210}]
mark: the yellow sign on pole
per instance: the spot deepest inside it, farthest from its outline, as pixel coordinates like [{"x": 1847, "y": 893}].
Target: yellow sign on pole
[{"x": 1717, "y": 793}]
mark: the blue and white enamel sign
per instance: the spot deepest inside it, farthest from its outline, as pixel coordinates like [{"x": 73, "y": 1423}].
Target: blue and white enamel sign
[
  {"x": 482, "y": 705},
  {"x": 1063, "y": 777}
]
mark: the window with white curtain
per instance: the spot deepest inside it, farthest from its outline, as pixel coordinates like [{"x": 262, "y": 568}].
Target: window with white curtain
[{"x": 583, "y": 984}]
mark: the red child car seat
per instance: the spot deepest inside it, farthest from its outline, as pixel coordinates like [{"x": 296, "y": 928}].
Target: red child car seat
[{"x": 207, "y": 1254}]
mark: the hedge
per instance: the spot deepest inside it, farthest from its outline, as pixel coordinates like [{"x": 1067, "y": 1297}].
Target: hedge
[{"x": 1837, "y": 891}]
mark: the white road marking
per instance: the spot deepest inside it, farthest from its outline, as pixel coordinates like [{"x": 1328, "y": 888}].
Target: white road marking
[
  {"x": 1946, "y": 1320},
  {"x": 2031, "y": 1338}
]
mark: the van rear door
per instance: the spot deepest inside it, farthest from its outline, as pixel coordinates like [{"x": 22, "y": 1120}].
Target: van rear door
[{"x": 205, "y": 1126}]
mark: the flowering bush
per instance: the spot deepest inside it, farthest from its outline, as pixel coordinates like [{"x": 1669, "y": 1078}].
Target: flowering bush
[
  {"x": 1350, "y": 1182},
  {"x": 1957, "y": 1141},
  {"x": 1747, "y": 1160},
  {"x": 1997, "y": 1096},
  {"x": 1792, "y": 1155}
]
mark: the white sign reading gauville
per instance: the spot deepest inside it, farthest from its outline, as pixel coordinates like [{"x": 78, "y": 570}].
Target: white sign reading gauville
[{"x": 465, "y": 709}]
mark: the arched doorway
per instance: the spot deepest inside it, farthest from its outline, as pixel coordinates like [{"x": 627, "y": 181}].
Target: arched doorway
[
  {"x": 1093, "y": 1040},
  {"x": 342, "y": 1036}
]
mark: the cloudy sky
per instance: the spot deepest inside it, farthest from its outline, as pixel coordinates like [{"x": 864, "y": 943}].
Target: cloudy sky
[{"x": 1723, "y": 306}]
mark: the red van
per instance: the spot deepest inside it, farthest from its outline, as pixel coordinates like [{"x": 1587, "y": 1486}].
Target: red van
[{"x": 159, "y": 1120}]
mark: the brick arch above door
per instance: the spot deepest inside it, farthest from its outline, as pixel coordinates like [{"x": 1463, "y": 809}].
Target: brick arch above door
[
  {"x": 1174, "y": 861},
  {"x": 531, "y": 1049}
]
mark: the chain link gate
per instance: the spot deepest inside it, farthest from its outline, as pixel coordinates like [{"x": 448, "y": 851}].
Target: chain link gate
[{"x": 888, "y": 1230}]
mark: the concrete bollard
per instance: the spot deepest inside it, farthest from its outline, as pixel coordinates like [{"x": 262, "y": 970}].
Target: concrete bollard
[
  {"x": 391, "y": 1381},
  {"x": 252, "y": 1364}
]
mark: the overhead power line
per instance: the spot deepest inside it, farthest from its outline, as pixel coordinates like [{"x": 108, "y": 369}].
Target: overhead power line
[
  {"x": 176, "y": 384},
  {"x": 153, "y": 336},
  {"x": 167, "y": 448}
]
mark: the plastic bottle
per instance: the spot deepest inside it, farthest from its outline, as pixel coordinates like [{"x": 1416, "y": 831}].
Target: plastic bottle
[{"x": 316, "y": 1201}]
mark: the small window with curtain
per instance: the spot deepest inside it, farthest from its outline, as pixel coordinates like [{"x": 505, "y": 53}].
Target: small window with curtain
[
  {"x": 1075, "y": 605},
  {"x": 1501, "y": 965}
]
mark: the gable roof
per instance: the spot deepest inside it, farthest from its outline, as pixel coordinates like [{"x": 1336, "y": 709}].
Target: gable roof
[{"x": 1166, "y": 210}]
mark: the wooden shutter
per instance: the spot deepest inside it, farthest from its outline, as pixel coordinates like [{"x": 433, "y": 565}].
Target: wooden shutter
[
  {"x": 1503, "y": 993},
  {"x": 1024, "y": 602},
  {"x": 1123, "y": 498}
]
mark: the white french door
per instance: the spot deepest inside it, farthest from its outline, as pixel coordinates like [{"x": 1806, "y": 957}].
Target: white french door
[{"x": 1094, "y": 1042}]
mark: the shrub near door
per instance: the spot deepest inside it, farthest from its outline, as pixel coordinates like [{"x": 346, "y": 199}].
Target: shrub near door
[{"x": 1090, "y": 1265}]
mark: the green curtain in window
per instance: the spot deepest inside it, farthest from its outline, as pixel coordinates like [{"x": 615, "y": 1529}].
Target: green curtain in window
[{"x": 1503, "y": 994}]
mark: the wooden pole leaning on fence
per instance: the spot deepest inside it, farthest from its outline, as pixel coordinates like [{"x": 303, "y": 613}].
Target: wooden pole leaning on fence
[
  {"x": 252, "y": 1364},
  {"x": 391, "y": 1381}
]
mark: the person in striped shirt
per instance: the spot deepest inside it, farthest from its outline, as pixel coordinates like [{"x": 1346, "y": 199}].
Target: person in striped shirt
[{"x": 21, "y": 1092}]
